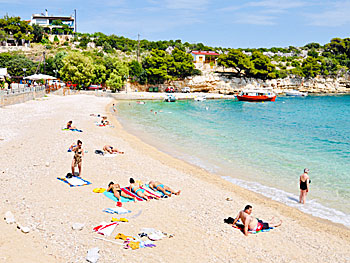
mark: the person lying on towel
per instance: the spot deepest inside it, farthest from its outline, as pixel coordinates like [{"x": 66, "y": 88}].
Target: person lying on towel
[
  {"x": 104, "y": 121},
  {"x": 158, "y": 186},
  {"x": 70, "y": 126},
  {"x": 250, "y": 223},
  {"x": 111, "y": 150},
  {"x": 139, "y": 191},
  {"x": 115, "y": 189}
]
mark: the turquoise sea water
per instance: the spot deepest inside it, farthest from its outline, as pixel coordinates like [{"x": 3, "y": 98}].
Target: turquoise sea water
[{"x": 261, "y": 146}]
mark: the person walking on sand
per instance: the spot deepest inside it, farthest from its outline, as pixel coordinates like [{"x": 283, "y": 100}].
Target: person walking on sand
[
  {"x": 115, "y": 189},
  {"x": 304, "y": 182},
  {"x": 251, "y": 223},
  {"x": 158, "y": 186},
  {"x": 111, "y": 150},
  {"x": 139, "y": 191},
  {"x": 78, "y": 155}
]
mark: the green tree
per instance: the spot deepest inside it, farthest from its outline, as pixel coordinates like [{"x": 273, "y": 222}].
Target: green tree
[
  {"x": 57, "y": 22},
  {"x": 38, "y": 33},
  {"x": 156, "y": 66},
  {"x": 311, "y": 67},
  {"x": 237, "y": 60},
  {"x": 336, "y": 46},
  {"x": 313, "y": 45},
  {"x": 183, "y": 64},
  {"x": 99, "y": 74},
  {"x": 16, "y": 63},
  {"x": 3, "y": 35},
  {"x": 77, "y": 68},
  {"x": 17, "y": 28},
  {"x": 107, "y": 47},
  {"x": 115, "y": 82},
  {"x": 263, "y": 68},
  {"x": 58, "y": 59},
  {"x": 312, "y": 53},
  {"x": 135, "y": 70}
]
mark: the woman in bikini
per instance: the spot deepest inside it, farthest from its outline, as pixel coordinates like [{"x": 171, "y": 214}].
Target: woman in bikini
[
  {"x": 78, "y": 155},
  {"x": 304, "y": 182},
  {"x": 115, "y": 189},
  {"x": 139, "y": 191}
]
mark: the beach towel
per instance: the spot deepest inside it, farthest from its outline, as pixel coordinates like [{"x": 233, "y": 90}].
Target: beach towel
[
  {"x": 158, "y": 193},
  {"x": 241, "y": 227},
  {"x": 128, "y": 191},
  {"x": 105, "y": 229},
  {"x": 74, "y": 181},
  {"x": 112, "y": 197},
  {"x": 116, "y": 210},
  {"x": 65, "y": 129}
]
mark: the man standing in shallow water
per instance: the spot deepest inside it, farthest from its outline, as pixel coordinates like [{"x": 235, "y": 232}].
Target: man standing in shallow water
[{"x": 251, "y": 223}]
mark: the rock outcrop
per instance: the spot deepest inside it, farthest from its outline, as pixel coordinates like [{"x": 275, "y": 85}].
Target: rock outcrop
[{"x": 224, "y": 84}]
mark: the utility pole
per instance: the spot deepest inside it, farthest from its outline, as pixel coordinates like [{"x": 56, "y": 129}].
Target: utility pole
[
  {"x": 138, "y": 47},
  {"x": 44, "y": 62},
  {"x": 75, "y": 20}
]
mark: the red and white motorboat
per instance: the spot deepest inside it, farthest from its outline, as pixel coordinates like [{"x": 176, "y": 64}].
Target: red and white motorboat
[{"x": 257, "y": 95}]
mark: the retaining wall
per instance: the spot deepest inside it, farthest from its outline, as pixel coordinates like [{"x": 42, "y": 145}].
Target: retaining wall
[{"x": 14, "y": 98}]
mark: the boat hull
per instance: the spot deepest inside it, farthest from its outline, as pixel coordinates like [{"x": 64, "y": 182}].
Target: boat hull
[
  {"x": 296, "y": 94},
  {"x": 256, "y": 98}
]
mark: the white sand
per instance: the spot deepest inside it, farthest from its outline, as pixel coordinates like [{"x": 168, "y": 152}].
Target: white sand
[{"x": 32, "y": 137}]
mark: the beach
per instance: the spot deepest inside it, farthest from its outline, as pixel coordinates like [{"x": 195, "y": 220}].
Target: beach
[{"x": 34, "y": 154}]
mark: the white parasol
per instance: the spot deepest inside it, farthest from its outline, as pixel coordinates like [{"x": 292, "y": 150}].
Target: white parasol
[{"x": 39, "y": 76}]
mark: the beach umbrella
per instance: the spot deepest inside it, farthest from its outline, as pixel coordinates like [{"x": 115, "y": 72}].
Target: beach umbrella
[{"x": 40, "y": 76}]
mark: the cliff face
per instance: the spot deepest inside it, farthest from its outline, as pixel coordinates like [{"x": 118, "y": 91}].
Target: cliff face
[
  {"x": 217, "y": 83},
  {"x": 212, "y": 82}
]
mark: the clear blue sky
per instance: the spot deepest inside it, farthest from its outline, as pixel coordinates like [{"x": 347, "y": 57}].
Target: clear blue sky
[{"x": 226, "y": 23}]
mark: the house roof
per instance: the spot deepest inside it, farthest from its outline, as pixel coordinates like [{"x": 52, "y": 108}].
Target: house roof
[
  {"x": 35, "y": 16},
  {"x": 208, "y": 53}
]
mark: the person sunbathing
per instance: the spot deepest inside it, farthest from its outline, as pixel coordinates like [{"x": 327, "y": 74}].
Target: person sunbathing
[
  {"x": 104, "y": 121},
  {"x": 156, "y": 185},
  {"x": 139, "y": 191},
  {"x": 251, "y": 223},
  {"x": 111, "y": 150},
  {"x": 70, "y": 126},
  {"x": 118, "y": 193}
]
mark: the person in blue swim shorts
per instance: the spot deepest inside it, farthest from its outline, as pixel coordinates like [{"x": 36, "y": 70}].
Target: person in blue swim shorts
[{"x": 158, "y": 186}]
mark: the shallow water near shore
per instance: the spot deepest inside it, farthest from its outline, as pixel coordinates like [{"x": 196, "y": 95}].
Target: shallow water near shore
[{"x": 260, "y": 146}]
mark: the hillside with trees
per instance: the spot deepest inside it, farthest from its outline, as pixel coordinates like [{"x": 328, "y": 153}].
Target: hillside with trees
[{"x": 109, "y": 60}]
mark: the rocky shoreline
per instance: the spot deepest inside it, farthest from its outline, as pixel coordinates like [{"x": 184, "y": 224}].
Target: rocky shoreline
[{"x": 222, "y": 83}]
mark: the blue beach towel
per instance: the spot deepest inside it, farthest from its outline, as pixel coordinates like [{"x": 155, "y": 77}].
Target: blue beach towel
[
  {"x": 112, "y": 197},
  {"x": 74, "y": 181},
  {"x": 65, "y": 129}
]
